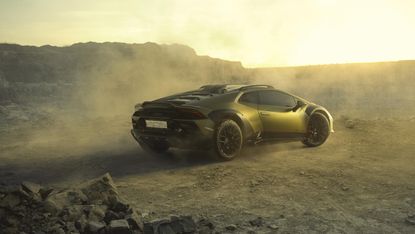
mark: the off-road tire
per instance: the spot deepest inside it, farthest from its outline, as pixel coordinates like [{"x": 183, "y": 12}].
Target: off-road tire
[
  {"x": 318, "y": 130},
  {"x": 228, "y": 140}
]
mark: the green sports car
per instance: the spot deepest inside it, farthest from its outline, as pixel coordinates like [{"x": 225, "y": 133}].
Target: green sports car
[{"x": 226, "y": 117}]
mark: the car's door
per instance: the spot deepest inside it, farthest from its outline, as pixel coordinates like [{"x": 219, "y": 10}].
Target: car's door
[
  {"x": 277, "y": 116},
  {"x": 249, "y": 107}
]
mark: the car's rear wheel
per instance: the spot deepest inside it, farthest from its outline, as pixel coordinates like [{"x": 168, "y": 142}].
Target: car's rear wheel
[
  {"x": 153, "y": 146},
  {"x": 318, "y": 130},
  {"x": 228, "y": 140}
]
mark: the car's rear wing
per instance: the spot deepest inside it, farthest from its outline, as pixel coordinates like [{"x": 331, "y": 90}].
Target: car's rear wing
[{"x": 255, "y": 86}]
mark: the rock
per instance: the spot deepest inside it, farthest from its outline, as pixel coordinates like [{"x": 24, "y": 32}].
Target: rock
[
  {"x": 77, "y": 197},
  {"x": 135, "y": 222},
  {"x": 165, "y": 228},
  {"x": 57, "y": 230},
  {"x": 87, "y": 208},
  {"x": 205, "y": 223},
  {"x": 10, "y": 230},
  {"x": 119, "y": 226},
  {"x": 25, "y": 195},
  {"x": 73, "y": 213},
  {"x": 119, "y": 206},
  {"x": 154, "y": 226},
  {"x": 350, "y": 124},
  {"x": 10, "y": 201},
  {"x": 95, "y": 227},
  {"x": 410, "y": 219},
  {"x": 31, "y": 187},
  {"x": 12, "y": 220},
  {"x": 97, "y": 213},
  {"x": 345, "y": 188},
  {"x": 80, "y": 224},
  {"x": 101, "y": 190},
  {"x": 188, "y": 224},
  {"x": 44, "y": 192},
  {"x": 2, "y": 214},
  {"x": 111, "y": 215},
  {"x": 273, "y": 227},
  {"x": 257, "y": 222},
  {"x": 70, "y": 227},
  {"x": 67, "y": 197},
  {"x": 50, "y": 206},
  {"x": 148, "y": 228},
  {"x": 231, "y": 227}
]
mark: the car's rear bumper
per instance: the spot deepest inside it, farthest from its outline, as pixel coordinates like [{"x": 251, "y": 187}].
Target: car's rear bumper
[{"x": 184, "y": 135}]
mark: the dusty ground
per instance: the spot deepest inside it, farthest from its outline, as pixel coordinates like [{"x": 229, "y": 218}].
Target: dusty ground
[{"x": 361, "y": 181}]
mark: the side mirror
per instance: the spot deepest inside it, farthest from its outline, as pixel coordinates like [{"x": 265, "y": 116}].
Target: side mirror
[{"x": 298, "y": 105}]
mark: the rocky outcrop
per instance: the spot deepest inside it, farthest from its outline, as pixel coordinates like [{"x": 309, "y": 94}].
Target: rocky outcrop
[{"x": 91, "y": 207}]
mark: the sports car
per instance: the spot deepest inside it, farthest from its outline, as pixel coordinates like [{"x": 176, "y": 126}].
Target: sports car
[{"x": 226, "y": 117}]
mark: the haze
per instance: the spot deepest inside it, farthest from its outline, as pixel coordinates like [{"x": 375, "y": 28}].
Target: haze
[{"x": 258, "y": 33}]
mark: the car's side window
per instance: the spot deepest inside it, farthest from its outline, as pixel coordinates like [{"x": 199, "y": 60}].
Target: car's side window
[
  {"x": 276, "y": 98},
  {"x": 251, "y": 98}
]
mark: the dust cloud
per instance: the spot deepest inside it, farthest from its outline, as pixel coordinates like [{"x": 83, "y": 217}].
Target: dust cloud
[
  {"x": 361, "y": 90},
  {"x": 80, "y": 98},
  {"x": 84, "y": 95}
]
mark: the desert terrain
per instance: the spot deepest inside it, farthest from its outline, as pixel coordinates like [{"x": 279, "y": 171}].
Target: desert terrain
[{"x": 60, "y": 130}]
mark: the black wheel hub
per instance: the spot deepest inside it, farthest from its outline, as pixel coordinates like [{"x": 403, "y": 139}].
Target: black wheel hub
[
  {"x": 229, "y": 140},
  {"x": 317, "y": 131}
]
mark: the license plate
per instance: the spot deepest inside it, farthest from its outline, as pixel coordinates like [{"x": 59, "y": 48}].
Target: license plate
[{"x": 156, "y": 124}]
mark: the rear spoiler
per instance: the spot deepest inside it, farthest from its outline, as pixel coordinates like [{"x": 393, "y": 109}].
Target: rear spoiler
[{"x": 158, "y": 104}]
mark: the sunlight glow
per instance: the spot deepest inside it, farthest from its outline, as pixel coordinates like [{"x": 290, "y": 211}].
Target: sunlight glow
[{"x": 258, "y": 33}]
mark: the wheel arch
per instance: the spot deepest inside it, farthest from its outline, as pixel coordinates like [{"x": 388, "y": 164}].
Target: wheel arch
[
  {"x": 219, "y": 115},
  {"x": 318, "y": 109}
]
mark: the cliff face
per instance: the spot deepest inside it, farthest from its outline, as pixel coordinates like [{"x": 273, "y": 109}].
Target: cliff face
[{"x": 29, "y": 73}]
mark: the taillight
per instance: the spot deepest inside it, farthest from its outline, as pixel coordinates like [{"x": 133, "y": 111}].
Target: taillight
[{"x": 187, "y": 113}]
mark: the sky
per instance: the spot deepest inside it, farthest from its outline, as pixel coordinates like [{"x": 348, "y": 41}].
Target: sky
[{"x": 259, "y": 33}]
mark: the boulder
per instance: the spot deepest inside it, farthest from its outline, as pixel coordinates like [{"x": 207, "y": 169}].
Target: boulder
[
  {"x": 50, "y": 206},
  {"x": 97, "y": 212},
  {"x": 188, "y": 224},
  {"x": 30, "y": 187},
  {"x": 101, "y": 190},
  {"x": 95, "y": 227},
  {"x": 92, "y": 207},
  {"x": 350, "y": 123},
  {"x": 44, "y": 192},
  {"x": 111, "y": 215},
  {"x": 10, "y": 201},
  {"x": 257, "y": 222},
  {"x": 135, "y": 221},
  {"x": 80, "y": 224},
  {"x": 410, "y": 219},
  {"x": 176, "y": 224},
  {"x": 119, "y": 226},
  {"x": 231, "y": 227}
]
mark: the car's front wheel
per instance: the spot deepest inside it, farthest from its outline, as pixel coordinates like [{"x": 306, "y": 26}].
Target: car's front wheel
[
  {"x": 153, "y": 146},
  {"x": 228, "y": 140},
  {"x": 318, "y": 130}
]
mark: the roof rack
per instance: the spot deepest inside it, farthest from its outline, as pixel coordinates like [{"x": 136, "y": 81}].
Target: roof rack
[{"x": 256, "y": 86}]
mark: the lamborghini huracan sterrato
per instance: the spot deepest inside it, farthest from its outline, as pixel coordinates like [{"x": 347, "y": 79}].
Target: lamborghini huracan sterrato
[{"x": 226, "y": 117}]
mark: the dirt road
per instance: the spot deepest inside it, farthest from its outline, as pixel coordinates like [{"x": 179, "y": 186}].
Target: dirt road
[{"x": 361, "y": 181}]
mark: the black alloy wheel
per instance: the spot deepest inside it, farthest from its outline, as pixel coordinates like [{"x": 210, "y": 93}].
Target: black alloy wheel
[
  {"x": 318, "y": 130},
  {"x": 228, "y": 140}
]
